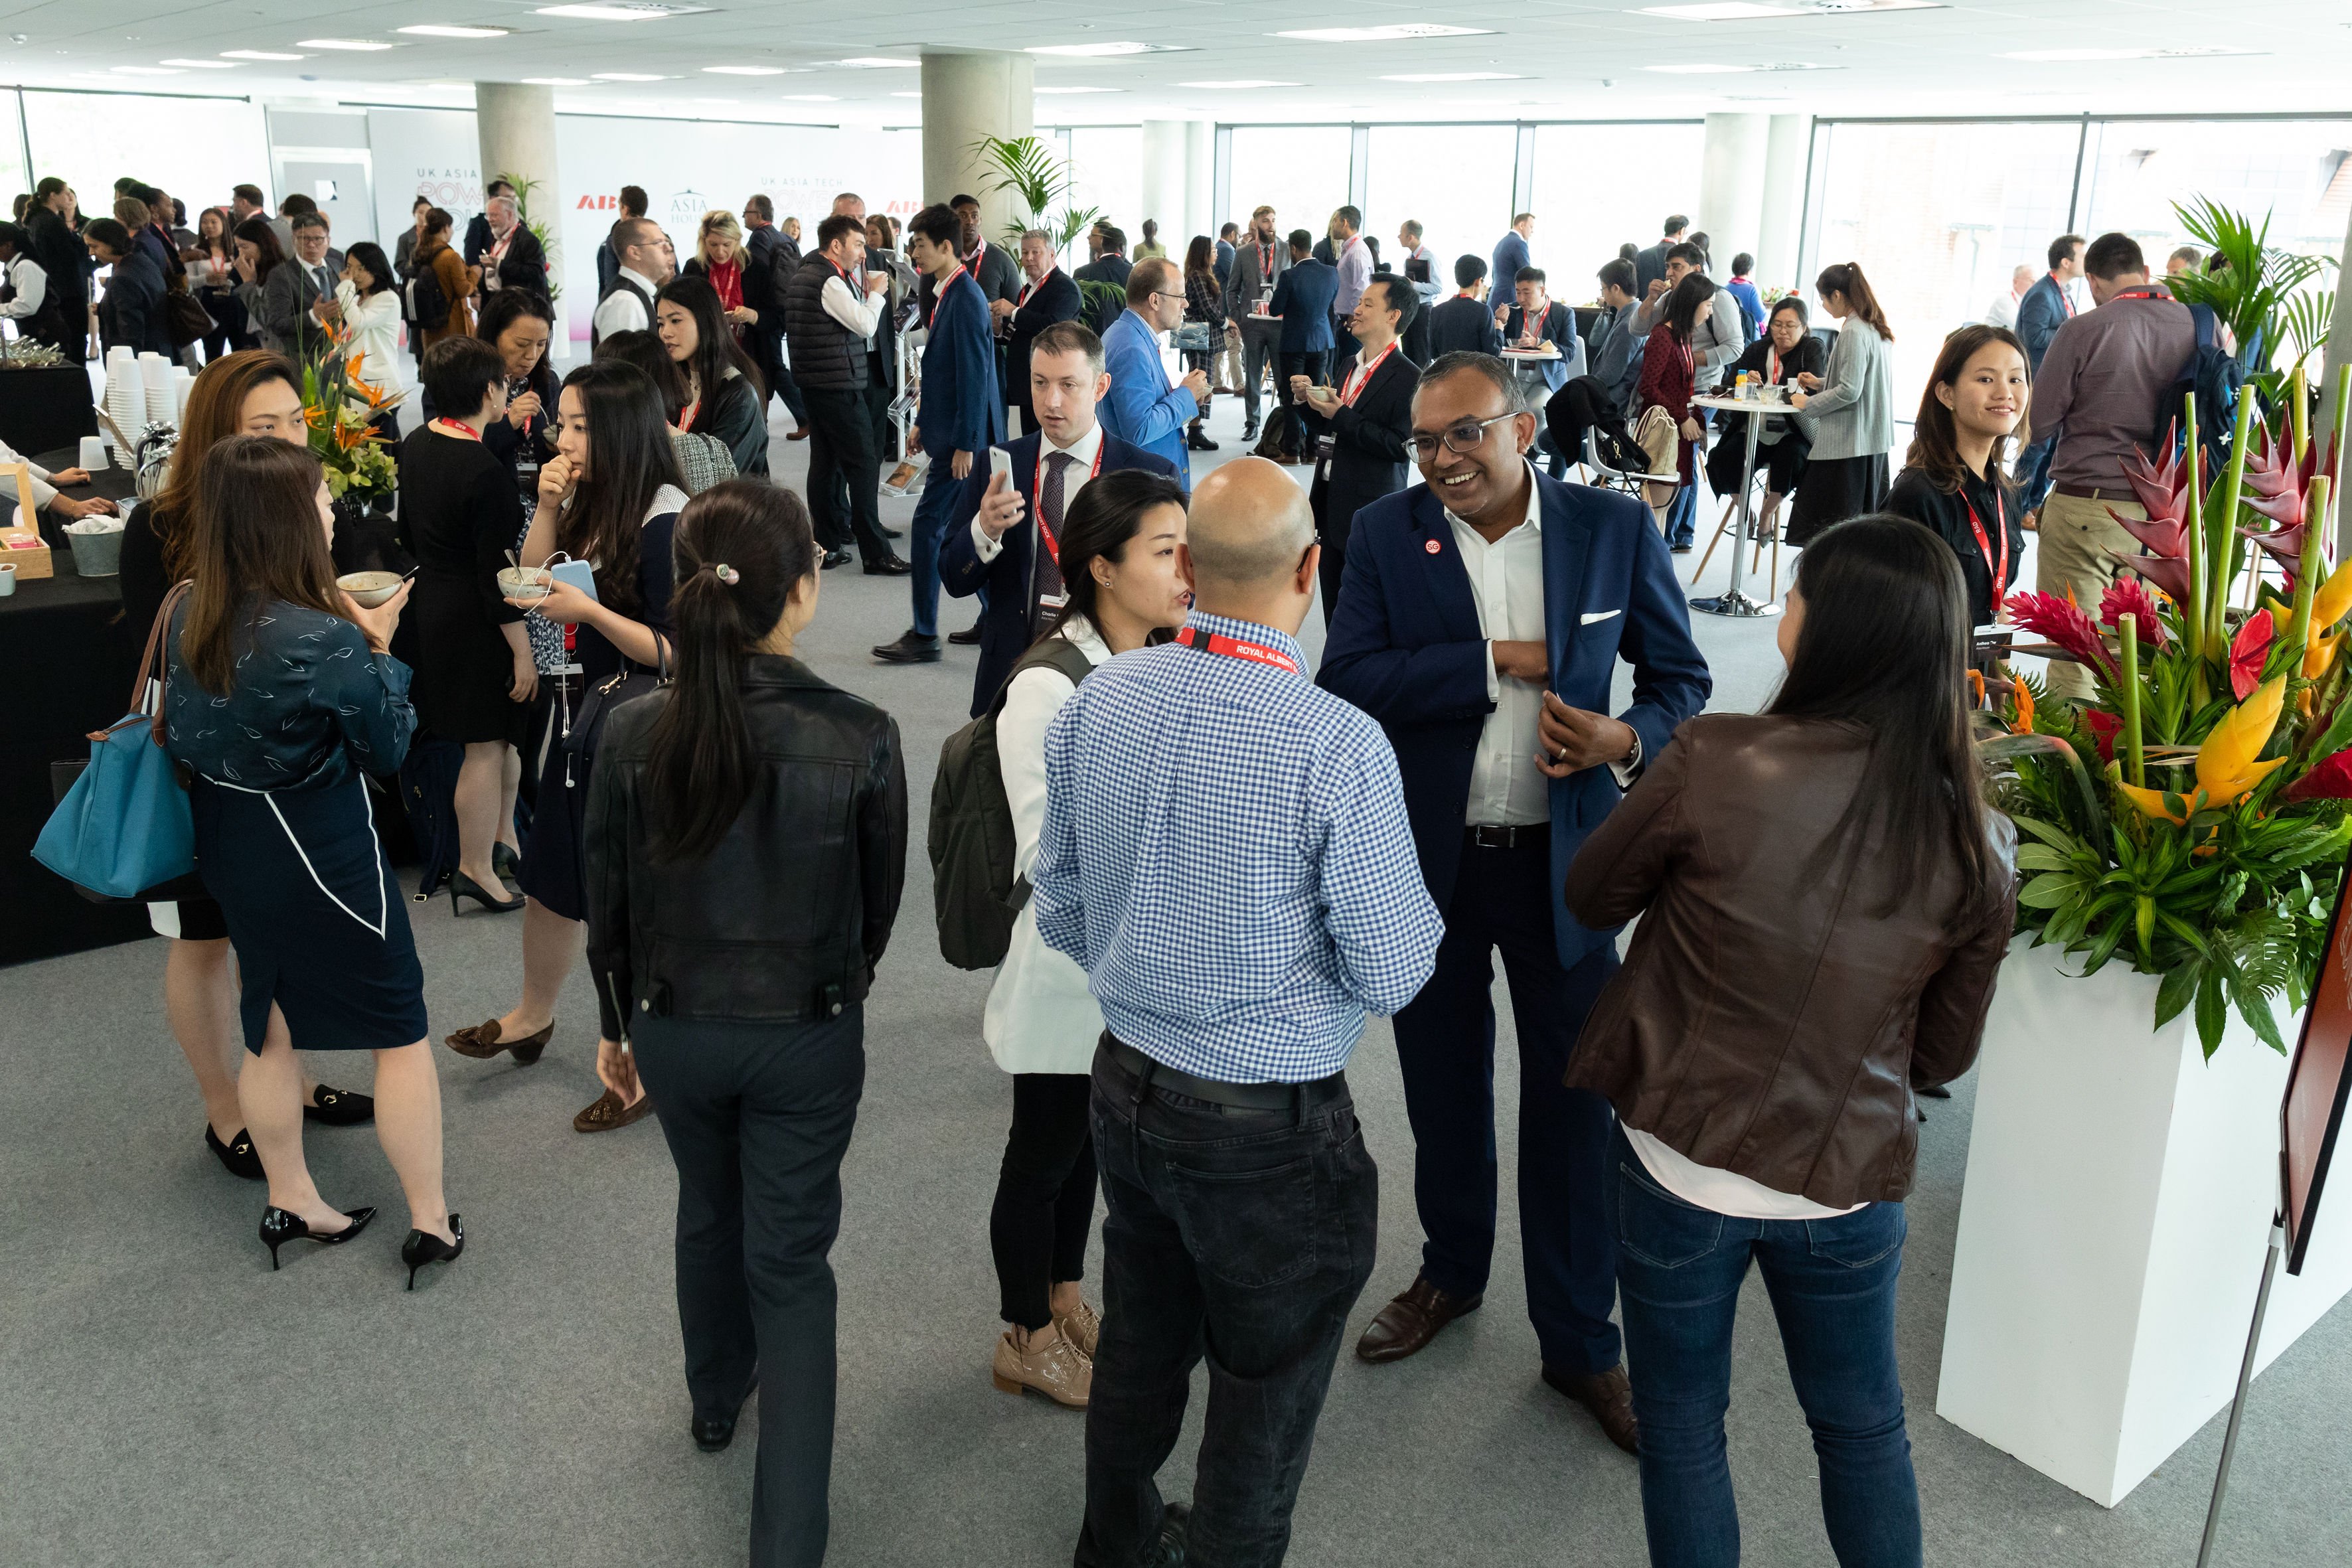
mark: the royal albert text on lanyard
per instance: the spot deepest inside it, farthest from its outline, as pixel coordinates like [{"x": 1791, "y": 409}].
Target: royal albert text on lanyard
[{"x": 1207, "y": 641}]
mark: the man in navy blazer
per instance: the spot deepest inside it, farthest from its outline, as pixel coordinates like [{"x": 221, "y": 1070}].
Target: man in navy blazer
[
  {"x": 992, "y": 547},
  {"x": 963, "y": 414},
  {"x": 1144, "y": 409},
  {"x": 1303, "y": 297},
  {"x": 1481, "y": 621},
  {"x": 2047, "y": 306}
]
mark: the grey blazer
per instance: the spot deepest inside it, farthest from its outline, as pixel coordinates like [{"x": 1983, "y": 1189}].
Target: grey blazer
[
  {"x": 1853, "y": 414},
  {"x": 1242, "y": 283},
  {"x": 279, "y": 306}
]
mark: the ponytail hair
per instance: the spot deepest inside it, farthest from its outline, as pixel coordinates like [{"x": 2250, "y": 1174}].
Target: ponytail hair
[
  {"x": 740, "y": 547},
  {"x": 1846, "y": 278}
]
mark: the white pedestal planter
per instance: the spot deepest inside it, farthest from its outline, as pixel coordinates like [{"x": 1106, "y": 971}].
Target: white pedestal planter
[{"x": 2118, "y": 1200}]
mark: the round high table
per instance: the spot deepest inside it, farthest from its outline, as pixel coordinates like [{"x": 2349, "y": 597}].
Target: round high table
[{"x": 1733, "y": 601}]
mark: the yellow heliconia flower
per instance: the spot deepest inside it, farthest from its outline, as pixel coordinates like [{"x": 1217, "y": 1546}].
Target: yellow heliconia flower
[
  {"x": 2226, "y": 767},
  {"x": 2328, "y": 604},
  {"x": 2320, "y": 653},
  {"x": 2150, "y": 802}
]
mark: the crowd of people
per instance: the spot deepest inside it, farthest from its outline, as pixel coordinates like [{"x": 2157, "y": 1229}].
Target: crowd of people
[{"x": 1218, "y": 863}]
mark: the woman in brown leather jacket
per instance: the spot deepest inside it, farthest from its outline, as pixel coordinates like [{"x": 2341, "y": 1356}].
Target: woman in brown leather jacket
[{"x": 1825, "y": 902}]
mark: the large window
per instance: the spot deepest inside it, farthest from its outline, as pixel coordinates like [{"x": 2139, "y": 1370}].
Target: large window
[
  {"x": 1106, "y": 169},
  {"x": 1455, "y": 180},
  {"x": 1939, "y": 216},
  {"x": 1597, "y": 186},
  {"x": 195, "y": 148},
  {"x": 1301, "y": 171},
  {"x": 2299, "y": 172}
]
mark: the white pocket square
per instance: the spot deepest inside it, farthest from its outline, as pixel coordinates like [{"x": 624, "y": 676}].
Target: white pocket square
[{"x": 1591, "y": 616}]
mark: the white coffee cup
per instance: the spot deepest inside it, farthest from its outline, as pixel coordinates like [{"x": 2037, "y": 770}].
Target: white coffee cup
[
  {"x": 7, "y": 578},
  {"x": 93, "y": 452}
]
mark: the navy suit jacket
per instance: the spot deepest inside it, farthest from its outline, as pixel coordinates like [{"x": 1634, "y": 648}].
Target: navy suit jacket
[
  {"x": 2038, "y": 316},
  {"x": 1005, "y": 624},
  {"x": 1463, "y": 325},
  {"x": 1502, "y": 267},
  {"x": 1142, "y": 409},
  {"x": 962, "y": 410},
  {"x": 1405, "y": 646},
  {"x": 1303, "y": 297}
]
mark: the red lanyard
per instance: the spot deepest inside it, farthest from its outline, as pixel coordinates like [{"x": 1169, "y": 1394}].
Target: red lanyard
[
  {"x": 1533, "y": 322},
  {"x": 1029, "y": 288},
  {"x": 1266, "y": 263},
  {"x": 2063, "y": 298},
  {"x": 1038, "y": 487},
  {"x": 939, "y": 295},
  {"x": 1207, "y": 641},
  {"x": 1772, "y": 356},
  {"x": 2139, "y": 294},
  {"x": 2000, "y": 517},
  {"x": 686, "y": 415},
  {"x": 459, "y": 424},
  {"x": 1363, "y": 376}
]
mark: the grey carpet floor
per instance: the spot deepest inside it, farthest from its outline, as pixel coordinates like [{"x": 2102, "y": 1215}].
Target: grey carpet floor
[{"x": 166, "y": 1400}]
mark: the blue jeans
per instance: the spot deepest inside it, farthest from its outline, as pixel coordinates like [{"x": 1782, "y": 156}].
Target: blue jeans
[
  {"x": 2033, "y": 474},
  {"x": 1682, "y": 518},
  {"x": 935, "y": 509},
  {"x": 1832, "y": 1281}
]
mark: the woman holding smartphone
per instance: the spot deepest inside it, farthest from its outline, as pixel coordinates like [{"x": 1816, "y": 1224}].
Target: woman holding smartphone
[{"x": 608, "y": 502}]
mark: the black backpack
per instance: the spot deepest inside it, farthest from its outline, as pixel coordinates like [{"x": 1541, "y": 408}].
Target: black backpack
[
  {"x": 429, "y": 307},
  {"x": 976, "y": 894},
  {"x": 2215, "y": 378}
]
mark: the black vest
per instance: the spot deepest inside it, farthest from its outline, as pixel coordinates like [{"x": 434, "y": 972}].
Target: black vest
[
  {"x": 826, "y": 356},
  {"x": 619, "y": 284}
]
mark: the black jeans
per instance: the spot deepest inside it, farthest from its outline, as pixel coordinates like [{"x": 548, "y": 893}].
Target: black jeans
[
  {"x": 768, "y": 352},
  {"x": 1045, "y": 1195},
  {"x": 842, "y": 455},
  {"x": 1242, "y": 1236},
  {"x": 1289, "y": 424},
  {"x": 758, "y": 1118}
]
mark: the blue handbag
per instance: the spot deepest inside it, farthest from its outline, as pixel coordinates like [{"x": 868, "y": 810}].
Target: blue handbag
[{"x": 125, "y": 826}]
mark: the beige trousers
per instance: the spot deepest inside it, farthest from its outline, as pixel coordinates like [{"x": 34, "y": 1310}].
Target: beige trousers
[{"x": 2076, "y": 536}]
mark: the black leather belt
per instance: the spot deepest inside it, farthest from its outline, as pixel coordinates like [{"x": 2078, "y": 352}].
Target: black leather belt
[
  {"x": 2094, "y": 492},
  {"x": 1238, "y": 1096},
  {"x": 1534, "y": 834}
]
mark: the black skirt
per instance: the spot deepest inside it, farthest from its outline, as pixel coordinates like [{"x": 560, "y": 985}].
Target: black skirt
[
  {"x": 1781, "y": 462},
  {"x": 1834, "y": 489},
  {"x": 554, "y": 871}
]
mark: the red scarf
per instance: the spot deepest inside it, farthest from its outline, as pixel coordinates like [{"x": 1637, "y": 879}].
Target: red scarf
[{"x": 727, "y": 277}]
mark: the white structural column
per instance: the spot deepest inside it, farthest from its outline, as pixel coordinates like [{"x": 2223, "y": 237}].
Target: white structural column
[
  {"x": 1179, "y": 171},
  {"x": 968, "y": 97},
  {"x": 1780, "y": 230},
  {"x": 515, "y": 126},
  {"x": 1731, "y": 185}
]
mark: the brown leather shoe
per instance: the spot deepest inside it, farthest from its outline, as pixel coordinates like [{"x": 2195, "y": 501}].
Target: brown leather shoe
[
  {"x": 1060, "y": 1371},
  {"x": 483, "y": 1041},
  {"x": 608, "y": 1114},
  {"x": 1609, "y": 1395},
  {"x": 1412, "y": 1320},
  {"x": 1082, "y": 1328}
]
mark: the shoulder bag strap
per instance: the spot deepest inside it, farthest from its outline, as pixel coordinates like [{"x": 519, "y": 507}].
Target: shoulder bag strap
[{"x": 150, "y": 666}]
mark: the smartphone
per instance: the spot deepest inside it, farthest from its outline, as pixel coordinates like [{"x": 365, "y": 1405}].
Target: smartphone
[
  {"x": 578, "y": 573},
  {"x": 999, "y": 461}
]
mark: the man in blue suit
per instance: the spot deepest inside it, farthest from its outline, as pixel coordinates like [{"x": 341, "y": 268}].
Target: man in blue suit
[
  {"x": 1481, "y": 620},
  {"x": 1511, "y": 251},
  {"x": 1303, "y": 297},
  {"x": 992, "y": 547},
  {"x": 1143, "y": 408},
  {"x": 962, "y": 413},
  {"x": 2047, "y": 306}
]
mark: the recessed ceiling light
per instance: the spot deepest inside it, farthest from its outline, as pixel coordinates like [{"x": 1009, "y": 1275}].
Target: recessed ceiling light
[
  {"x": 1096, "y": 51},
  {"x": 144, "y": 71},
  {"x": 554, "y": 81},
  {"x": 257, "y": 55},
  {"x": 364, "y": 46},
  {"x": 878, "y": 63},
  {"x": 447, "y": 30},
  {"x": 808, "y": 97},
  {"x": 2194, "y": 53},
  {"x": 204, "y": 65},
  {"x": 743, "y": 70},
  {"x": 1042, "y": 91},
  {"x": 1454, "y": 76},
  {"x": 629, "y": 76},
  {"x": 618, "y": 11},
  {"x": 1237, "y": 86},
  {"x": 1377, "y": 35},
  {"x": 1719, "y": 11},
  {"x": 1698, "y": 70}
]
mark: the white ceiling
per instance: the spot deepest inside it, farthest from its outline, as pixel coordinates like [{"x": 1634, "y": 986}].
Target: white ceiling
[{"x": 1570, "y": 59}]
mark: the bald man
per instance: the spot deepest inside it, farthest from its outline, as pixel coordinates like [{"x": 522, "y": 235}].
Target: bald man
[{"x": 1205, "y": 799}]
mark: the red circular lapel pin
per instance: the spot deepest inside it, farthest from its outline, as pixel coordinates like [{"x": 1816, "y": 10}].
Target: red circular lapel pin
[{"x": 1433, "y": 547}]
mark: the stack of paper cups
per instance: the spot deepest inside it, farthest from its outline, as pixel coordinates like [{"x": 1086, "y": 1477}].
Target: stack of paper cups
[
  {"x": 126, "y": 398},
  {"x": 157, "y": 404},
  {"x": 181, "y": 385}
]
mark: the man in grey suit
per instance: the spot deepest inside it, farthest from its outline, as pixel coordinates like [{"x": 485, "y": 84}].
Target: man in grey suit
[
  {"x": 1259, "y": 262},
  {"x": 296, "y": 303}
]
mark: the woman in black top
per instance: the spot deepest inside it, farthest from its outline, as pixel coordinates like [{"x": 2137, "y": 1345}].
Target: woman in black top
[
  {"x": 724, "y": 395},
  {"x": 460, "y": 517},
  {"x": 610, "y": 498},
  {"x": 521, "y": 324},
  {"x": 1785, "y": 351},
  {"x": 1205, "y": 308},
  {"x": 747, "y": 847},
  {"x": 1952, "y": 479}
]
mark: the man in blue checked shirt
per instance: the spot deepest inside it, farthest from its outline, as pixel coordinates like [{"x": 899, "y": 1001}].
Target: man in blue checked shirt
[{"x": 1227, "y": 853}]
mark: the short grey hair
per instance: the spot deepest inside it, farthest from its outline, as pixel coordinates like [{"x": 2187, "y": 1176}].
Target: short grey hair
[
  {"x": 1469, "y": 362},
  {"x": 1038, "y": 234}
]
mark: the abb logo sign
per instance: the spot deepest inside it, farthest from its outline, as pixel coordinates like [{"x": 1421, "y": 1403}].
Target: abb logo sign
[{"x": 599, "y": 203}]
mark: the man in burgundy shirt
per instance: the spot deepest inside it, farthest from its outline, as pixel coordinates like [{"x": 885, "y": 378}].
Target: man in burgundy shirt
[{"x": 2098, "y": 392}]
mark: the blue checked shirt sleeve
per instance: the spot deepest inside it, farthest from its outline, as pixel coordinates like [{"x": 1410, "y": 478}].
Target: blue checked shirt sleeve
[
  {"x": 1384, "y": 928},
  {"x": 1057, "y": 881}
]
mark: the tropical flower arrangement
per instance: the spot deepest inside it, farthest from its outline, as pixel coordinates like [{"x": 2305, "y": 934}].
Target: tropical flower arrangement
[
  {"x": 341, "y": 410},
  {"x": 2192, "y": 817}
]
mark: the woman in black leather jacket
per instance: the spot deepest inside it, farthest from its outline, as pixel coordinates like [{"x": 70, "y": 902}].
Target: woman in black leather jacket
[
  {"x": 724, "y": 393},
  {"x": 747, "y": 844}
]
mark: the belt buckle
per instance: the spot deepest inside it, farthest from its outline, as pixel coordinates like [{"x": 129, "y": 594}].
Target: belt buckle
[{"x": 1488, "y": 837}]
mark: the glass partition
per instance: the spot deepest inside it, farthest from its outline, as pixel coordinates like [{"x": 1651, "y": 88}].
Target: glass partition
[
  {"x": 2297, "y": 171},
  {"x": 1301, "y": 171},
  {"x": 1455, "y": 180},
  {"x": 1597, "y": 186},
  {"x": 1107, "y": 170}
]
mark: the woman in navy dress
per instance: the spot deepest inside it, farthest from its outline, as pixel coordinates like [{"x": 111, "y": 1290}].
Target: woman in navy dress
[
  {"x": 610, "y": 497},
  {"x": 279, "y": 692}
]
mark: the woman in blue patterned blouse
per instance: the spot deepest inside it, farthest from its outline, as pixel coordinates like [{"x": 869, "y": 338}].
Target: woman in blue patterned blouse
[{"x": 279, "y": 695}]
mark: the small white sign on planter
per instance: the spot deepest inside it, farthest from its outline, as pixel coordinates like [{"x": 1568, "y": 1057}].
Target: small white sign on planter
[{"x": 2119, "y": 1196}]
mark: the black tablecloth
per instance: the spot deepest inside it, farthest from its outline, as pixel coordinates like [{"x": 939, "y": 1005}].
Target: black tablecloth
[
  {"x": 68, "y": 654},
  {"x": 44, "y": 409}
]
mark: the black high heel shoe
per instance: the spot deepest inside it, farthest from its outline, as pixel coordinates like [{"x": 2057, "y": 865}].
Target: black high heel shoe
[
  {"x": 279, "y": 1227},
  {"x": 506, "y": 862},
  {"x": 237, "y": 1155},
  {"x": 461, "y": 884},
  {"x": 423, "y": 1247}
]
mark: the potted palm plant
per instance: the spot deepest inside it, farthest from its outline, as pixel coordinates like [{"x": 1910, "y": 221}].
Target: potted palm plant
[{"x": 1026, "y": 168}]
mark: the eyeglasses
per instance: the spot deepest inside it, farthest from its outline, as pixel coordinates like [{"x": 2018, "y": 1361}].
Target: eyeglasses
[{"x": 1462, "y": 439}]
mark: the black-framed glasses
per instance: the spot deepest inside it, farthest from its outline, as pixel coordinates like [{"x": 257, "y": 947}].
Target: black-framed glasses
[{"x": 1461, "y": 439}]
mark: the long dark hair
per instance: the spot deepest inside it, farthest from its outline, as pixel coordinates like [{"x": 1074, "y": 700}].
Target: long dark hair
[
  {"x": 502, "y": 310},
  {"x": 1106, "y": 514},
  {"x": 1201, "y": 256},
  {"x": 221, "y": 245},
  {"x": 645, "y": 350},
  {"x": 258, "y": 542},
  {"x": 741, "y": 547},
  {"x": 1884, "y": 646},
  {"x": 216, "y": 409},
  {"x": 1935, "y": 438},
  {"x": 371, "y": 257},
  {"x": 1846, "y": 278},
  {"x": 1682, "y": 306},
  {"x": 629, "y": 459},
  {"x": 264, "y": 240},
  {"x": 715, "y": 348}
]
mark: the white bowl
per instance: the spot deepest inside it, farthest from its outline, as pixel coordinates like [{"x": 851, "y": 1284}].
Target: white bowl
[
  {"x": 369, "y": 589},
  {"x": 525, "y": 582}
]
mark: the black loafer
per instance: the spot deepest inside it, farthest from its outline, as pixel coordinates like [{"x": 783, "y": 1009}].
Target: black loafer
[
  {"x": 338, "y": 1107},
  {"x": 889, "y": 566},
  {"x": 834, "y": 558},
  {"x": 910, "y": 650},
  {"x": 713, "y": 1433},
  {"x": 967, "y": 637},
  {"x": 238, "y": 1156}
]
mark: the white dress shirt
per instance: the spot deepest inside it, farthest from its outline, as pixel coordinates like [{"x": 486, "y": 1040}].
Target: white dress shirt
[
  {"x": 1355, "y": 271},
  {"x": 1082, "y": 453},
  {"x": 2002, "y": 311},
  {"x": 842, "y": 304},
  {"x": 44, "y": 492},
  {"x": 1507, "y": 788},
  {"x": 31, "y": 285},
  {"x": 622, "y": 311},
  {"x": 1040, "y": 1017}
]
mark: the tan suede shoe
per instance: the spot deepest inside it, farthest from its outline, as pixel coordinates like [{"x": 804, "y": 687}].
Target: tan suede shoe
[
  {"x": 1060, "y": 1371},
  {"x": 1081, "y": 1328}
]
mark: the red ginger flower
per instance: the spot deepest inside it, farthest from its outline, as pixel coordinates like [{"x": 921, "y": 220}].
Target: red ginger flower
[
  {"x": 2126, "y": 596},
  {"x": 2064, "y": 623},
  {"x": 2105, "y": 728}
]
